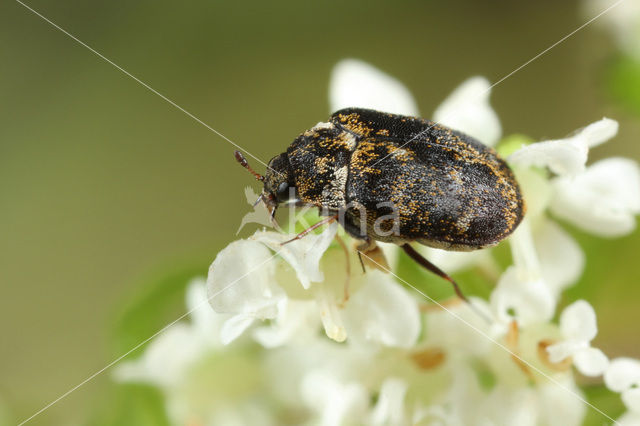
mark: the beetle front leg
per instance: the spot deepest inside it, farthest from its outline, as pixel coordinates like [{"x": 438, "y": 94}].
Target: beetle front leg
[{"x": 311, "y": 228}]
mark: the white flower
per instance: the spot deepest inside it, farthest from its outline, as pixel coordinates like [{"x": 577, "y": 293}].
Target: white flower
[
  {"x": 390, "y": 408},
  {"x": 547, "y": 404},
  {"x": 242, "y": 279},
  {"x": 167, "y": 358},
  {"x": 623, "y": 375},
  {"x": 529, "y": 301},
  {"x": 177, "y": 362},
  {"x": 296, "y": 322},
  {"x": 578, "y": 326},
  {"x": 631, "y": 418},
  {"x": 467, "y": 109},
  {"x": 522, "y": 293},
  {"x": 287, "y": 367},
  {"x": 241, "y": 282},
  {"x": 561, "y": 259},
  {"x": 456, "y": 329},
  {"x": 466, "y": 403},
  {"x": 622, "y": 20},
  {"x": 383, "y": 311},
  {"x": 603, "y": 200},
  {"x": 336, "y": 403},
  {"x": 247, "y": 281},
  {"x": 357, "y": 84},
  {"x": 566, "y": 156}
]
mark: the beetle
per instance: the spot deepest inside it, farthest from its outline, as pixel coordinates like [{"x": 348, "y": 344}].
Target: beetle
[{"x": 447, "y": 190}]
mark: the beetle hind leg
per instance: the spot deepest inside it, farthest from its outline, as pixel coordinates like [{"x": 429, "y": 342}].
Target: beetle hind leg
[{"x": 433, "y": 268}]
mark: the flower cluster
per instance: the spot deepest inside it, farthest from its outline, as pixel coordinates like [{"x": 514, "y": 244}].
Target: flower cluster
[{"x": 298, "y": 334}]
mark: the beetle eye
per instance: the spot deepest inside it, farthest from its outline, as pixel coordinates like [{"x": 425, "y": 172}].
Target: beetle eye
[{"x": 283, "y": 190}]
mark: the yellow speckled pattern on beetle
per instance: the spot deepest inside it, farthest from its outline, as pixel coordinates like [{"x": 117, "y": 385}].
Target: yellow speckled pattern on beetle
[{"x": 449, "y": 190}]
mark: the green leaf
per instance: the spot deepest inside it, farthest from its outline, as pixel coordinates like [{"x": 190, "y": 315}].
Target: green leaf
[
  {"x": 606, "y": 401},
  {"x": 131, "y": 405},
  {"x": 425, "y": 281},
  {"x": 510, "y": 144},
  {"x": 623, "y": 82},
  {"x": 157, "y": 302}
]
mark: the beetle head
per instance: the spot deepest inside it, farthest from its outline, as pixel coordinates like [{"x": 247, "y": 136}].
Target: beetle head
[{"x": 278, "y": 183}]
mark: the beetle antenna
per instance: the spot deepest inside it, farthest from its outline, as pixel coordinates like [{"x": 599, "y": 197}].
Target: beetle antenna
[{"x": 244, "y": 163}]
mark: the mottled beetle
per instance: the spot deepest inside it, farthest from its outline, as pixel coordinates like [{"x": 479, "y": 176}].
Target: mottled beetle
[{"x": 449, "y": 191}]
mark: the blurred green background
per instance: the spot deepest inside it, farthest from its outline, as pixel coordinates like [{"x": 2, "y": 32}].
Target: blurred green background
[{"x": 103, "y": 184}]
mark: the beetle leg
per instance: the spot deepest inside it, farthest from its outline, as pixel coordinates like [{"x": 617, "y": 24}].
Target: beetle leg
[
  {"x": 433, "y": 268},
  {"x": 311, "y": 228},
  {"x": 272, "y": 216},
  {"x": 361, "y": 261},
  {"x": 373, "y": 254}
]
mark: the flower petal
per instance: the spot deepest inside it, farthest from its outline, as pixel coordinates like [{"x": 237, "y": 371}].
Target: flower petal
[
  {"x": 622, "y": 374},
  {"x": 562, "y": 350},
  {"x": 603, "y": 200},
  {"x": 629, "y": 419},
  {"x": 467, "y": 110},
  {"x": 234, "y": 327},
  {"x": 536, "y": 190},
  {"x": 598, "y": 133},
  {"x": 516, "y": 297},
  {"x": 337, "y": 403},
  {"x": 459, "y": 329},
  {"x": 330, "y": 315},
  {"x": 523, "y": 251},
  {"x": 384, "y": 312},
  {"x": 566, "y": 156},
  {"x": 241, "y": 280},
  {"x": 559, "y": 405},
  {"x": 304, "y": 254},
  {"x": 578, "y": 322},
  {"x": 631, "y": 399},
  {"x": 165, "y": 359},
  {"x": 297, "y": 320},
  {"x": 355, "y": 83},
  {"x": 563, "y": 157},
  {"x": 561, "y": 259},
  {"x": 389, "y": 409},
  {"x": 590, "y": 361},
  {"x": 205, "y": 322}
]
